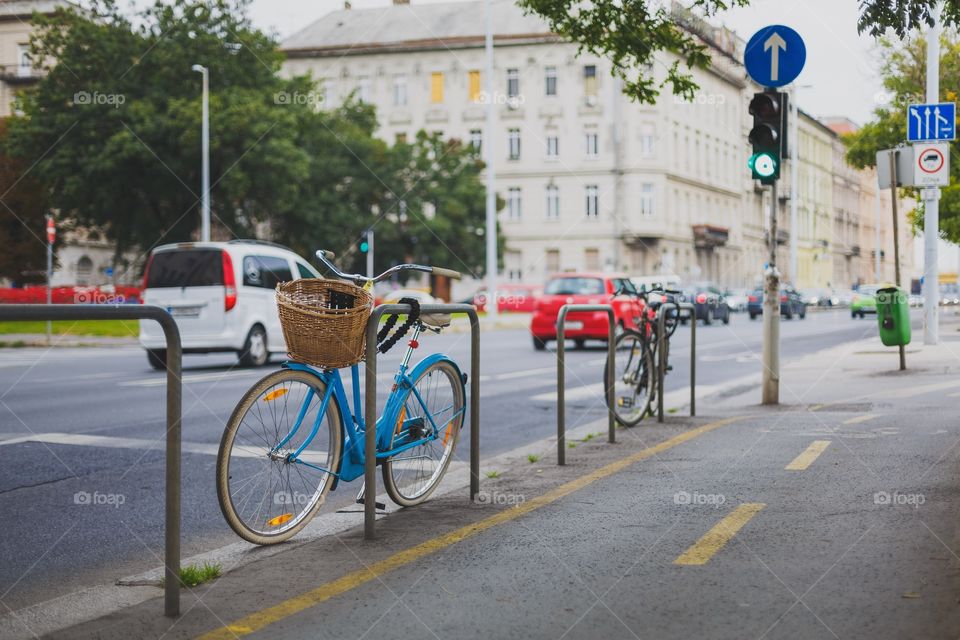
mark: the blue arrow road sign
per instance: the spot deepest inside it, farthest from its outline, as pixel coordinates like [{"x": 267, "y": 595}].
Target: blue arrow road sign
[
  {"x": 931, "y": 122},
  {"x": 775, "y": 56}
]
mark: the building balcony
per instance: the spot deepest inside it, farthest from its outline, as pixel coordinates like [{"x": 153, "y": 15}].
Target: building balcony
[
  {"x": 708, "y": 236},
  {"x": 437, "y": 115},
  {"x": 20, "y": 74},
  {"x": 641, "y": 238}
]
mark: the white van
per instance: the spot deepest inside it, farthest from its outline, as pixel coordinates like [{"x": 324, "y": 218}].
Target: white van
[{"x": 222, "y": 296}]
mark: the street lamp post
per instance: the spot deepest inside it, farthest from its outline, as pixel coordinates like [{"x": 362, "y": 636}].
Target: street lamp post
[
  {"x": 491, "y": 214},
  {"x": 205, "y": 134}
]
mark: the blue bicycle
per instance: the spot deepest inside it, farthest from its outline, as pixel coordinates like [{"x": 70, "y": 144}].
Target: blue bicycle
[{"x": 293, "y": 437}]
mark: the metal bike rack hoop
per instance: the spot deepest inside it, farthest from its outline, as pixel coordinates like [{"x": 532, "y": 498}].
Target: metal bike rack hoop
[
  {"x": 561, "y": 374},
  {"x": 370, "y": 402},
  {"x": 171, "y": 561},
  {"x": 661, "y": 355}
]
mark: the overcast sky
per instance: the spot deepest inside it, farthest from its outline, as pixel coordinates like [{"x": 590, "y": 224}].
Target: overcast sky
[{"x": 841, "y": 65}]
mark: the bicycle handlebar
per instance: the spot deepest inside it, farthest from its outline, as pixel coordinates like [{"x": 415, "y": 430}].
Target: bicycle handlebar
[{"x": 323, "y": 255}]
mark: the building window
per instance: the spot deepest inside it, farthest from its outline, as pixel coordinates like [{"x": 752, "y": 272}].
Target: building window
[
  {"x": 553, "y": 202},
  {"x": 592, "y": 145},
  {"x": 593, "y": 201},
  {"x": 513, "y": 203},
  {"x": 591, "y": 259},
  {"x": 512, "y": 260},
  {"x": 476, "y": 139},
  {"x": 552, "y": 261},
  {"x": 646, "y": 199},
  {"x": 400, "y": 91},
  {"x": 24, "y": 63},
  {"x": 401, "y": 138},
  {"x": 647, "y": 134},
  {"x": 550, "y": 73},
  {"x": 513, "y": 83},
  {"x": 590, "y": 81},
  {"x": 436, "y": 87},
  {"x": 513, "y": 138},
  {"x": 363, "y": 89},
  {"x": 553, "y": 146},
  {"x": 473, "y": 86}
]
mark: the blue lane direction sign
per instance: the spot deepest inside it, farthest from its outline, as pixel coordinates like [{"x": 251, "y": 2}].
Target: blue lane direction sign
[
  {"x": 931, "y": 122},
  {"x": 775, "y": 56}
]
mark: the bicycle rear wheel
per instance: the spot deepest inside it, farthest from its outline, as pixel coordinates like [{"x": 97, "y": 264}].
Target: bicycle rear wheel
[
  {"x": 265, "y": 494},
  {"x": 432, "y": 412},
  {"x": 633, "y": 371}
]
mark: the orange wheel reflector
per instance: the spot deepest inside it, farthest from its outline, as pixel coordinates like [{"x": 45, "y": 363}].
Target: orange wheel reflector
[
  {"x": 276, "y": 393},
  {"x": 400, "y": 419},
  {"x": 279, "y": 520}
]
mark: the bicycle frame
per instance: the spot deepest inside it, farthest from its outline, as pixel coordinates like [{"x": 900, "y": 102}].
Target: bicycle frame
[{"x": 354, "y": 425}]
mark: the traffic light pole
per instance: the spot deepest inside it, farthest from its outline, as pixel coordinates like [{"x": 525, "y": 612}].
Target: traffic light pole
[
  {"x": 370, "y": 272},
  {"x": 771, "y": 312}
]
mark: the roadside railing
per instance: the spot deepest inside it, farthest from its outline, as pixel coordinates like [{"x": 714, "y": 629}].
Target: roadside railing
[
  {"x": 171, "y": 561},
  {"x": 370, "y": 400},
  {"x": 561, "y": 374},
  {"x": 662, "y": 342}
]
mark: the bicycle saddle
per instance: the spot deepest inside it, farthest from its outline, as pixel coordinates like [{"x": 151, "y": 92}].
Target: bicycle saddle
[{"x": 436, "y": 320}]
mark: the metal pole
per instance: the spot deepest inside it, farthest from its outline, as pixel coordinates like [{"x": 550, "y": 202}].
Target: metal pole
[
  {"x": 794, "y": 185},
  {"x": 661, "y": 363},
  {"x": 611, "y": 373},
  {"x": 771, "y": 313},
  {"x": 205, "y": 153},
  {"x": 369, "y": 427},
  {"x": 693, "y": 357},
  {"x": 876, "y": 235},
  {"x": 49, "y": 277},
  {"x": 561, "y": 392},
  {"x": 370, "y": 272},
  {"x": 489, "y": 135},
  {"x": 931, "y": 201},
  {"x": 474, "y": 402},
  {"x": 896, "y": 237}
]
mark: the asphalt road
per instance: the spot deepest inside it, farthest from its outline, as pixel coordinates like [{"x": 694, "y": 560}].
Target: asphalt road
[{"x": 86, "y": 510}]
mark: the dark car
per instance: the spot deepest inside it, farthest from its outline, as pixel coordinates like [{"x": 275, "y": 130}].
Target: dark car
[
  {"x": 791, "y": 303},
  {"x": 709, "y": 302}
]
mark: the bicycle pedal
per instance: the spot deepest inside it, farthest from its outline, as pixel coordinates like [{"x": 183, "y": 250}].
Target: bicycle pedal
[{"x": 378, "y": 505}]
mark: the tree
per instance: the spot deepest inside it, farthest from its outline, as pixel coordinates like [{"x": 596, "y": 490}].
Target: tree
[
  {"x": 903, "y": 74},
  {"x": 903, "y": 16},
  {"x": 23, "y": 208},
  {"x": 114, "y": 127}
]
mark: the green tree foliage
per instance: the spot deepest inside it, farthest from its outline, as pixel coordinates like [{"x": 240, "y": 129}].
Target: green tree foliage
[
  {"x": 904, "y": 77},
  {"x": 113, "y": 130},
  {"x": 23, "y": 208},
  {"x": 904, "y": 16}
]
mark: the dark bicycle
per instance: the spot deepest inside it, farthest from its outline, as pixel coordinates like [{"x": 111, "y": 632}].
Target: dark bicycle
[{"x": 635, "y": 354}]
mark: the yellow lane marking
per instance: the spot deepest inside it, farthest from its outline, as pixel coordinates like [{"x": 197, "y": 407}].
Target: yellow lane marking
[
  {"x": 807, "y": 458},
  {"x": 721, "y": 533},
  {"x": 859, "y": 419},
  {"x": 260, "y": 619}
]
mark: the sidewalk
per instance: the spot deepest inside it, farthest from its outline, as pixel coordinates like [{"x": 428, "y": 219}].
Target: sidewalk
[{"x": 832, "y": 515}]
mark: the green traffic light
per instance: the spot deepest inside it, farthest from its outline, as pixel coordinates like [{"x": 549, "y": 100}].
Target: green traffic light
[
  {"x": 364, "y": 246},
  {"x": 763, "y": 165}
]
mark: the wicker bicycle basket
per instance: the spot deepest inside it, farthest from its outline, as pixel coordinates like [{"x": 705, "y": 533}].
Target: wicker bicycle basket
[{"x": 324, "y": 321}]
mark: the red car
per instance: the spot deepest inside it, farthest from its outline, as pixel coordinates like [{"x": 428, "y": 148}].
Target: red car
[
  {"x": 510, "y": 297},
  {"x": 583, "y": 288}
]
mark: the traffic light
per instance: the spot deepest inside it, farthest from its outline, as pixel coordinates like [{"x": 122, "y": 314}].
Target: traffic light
[
  {"x": 768, "y": 135},
  {"x": 364, "y": 242}
]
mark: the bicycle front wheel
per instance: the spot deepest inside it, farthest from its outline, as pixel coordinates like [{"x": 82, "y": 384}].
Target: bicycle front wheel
[
  {"x": 633, "y": 378},
  {"x": 432, "y": 415},
  {"x": 266, "y": 492}
]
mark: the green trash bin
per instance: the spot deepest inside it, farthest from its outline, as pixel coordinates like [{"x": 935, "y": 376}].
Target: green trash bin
[{"x": 893, "y": 316}]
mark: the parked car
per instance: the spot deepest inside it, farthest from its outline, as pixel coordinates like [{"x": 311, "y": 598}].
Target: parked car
[
  {"x": 709, "y": 302},
  {"x": 819, "y": 298},
  {"x": 421, "y": 296},
  {"x": 222, "y": 296},
  {"x": 864, "y": 300},
  {"x": 791, "y": 303},
  {"x": 510, "y": 297},
  {"x": 582, "y": 288},
  {"x": 737, "y": 299}
]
